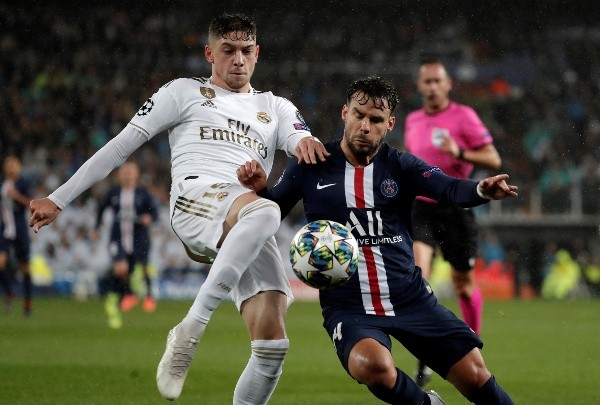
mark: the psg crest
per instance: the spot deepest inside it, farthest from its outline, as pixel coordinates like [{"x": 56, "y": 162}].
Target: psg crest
[{"x": 389, "y": 188}]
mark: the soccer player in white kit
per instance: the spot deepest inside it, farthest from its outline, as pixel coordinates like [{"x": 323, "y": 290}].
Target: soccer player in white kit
[{"x": 216, "y": 124}]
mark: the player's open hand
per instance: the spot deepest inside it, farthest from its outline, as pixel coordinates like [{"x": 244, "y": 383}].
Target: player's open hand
[
  {"x": 251, "y": 175},
  {"x": 43, "y": 212},
  {"x": 309, "y": 149},
  {"x": 496, "y": 188}
]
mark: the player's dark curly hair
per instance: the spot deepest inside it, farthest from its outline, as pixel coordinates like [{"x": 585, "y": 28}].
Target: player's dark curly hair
[
  {"x": 226, "y": 24},
  {"x": 376, "y": 89}
]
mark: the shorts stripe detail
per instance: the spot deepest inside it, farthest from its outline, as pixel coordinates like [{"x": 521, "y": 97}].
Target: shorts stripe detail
[
  {"x": 195, "y": 208},
  {"x": 201, "y": 207}
]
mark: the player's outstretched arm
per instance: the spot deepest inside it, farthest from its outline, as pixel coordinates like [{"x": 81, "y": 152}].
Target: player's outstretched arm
[
  {"x": 43, "y": 212},
  {"x": 251, "y": 175},
  {"x": 309, "y": 149},
  {"x": 496, "y": 188}
]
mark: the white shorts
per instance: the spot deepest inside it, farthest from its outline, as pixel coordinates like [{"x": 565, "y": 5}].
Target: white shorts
[{"x": 198, "y": 211}]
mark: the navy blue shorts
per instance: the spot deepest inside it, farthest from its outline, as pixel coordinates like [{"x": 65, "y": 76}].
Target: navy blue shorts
[
  {"x": 140, "y": 253},
  {"x": 20, "y": 247},
  {"x": 431, "y": 332},
  {"x": 453, "y": 229}
]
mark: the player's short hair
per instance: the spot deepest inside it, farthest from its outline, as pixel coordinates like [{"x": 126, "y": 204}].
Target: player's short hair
[
  {"x": 225, "y": 24},
  {"x": 376, "y": 89},
  {"x": 430, "y": 60}
]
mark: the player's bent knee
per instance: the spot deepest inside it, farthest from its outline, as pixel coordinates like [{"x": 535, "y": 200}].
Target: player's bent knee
[
  {"x": 265, "y": 213},
  {"x": 372, "y": 368},
  {"x": 469, "y": 372}
]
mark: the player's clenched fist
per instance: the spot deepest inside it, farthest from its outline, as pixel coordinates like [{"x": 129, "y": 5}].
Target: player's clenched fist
[
  {"x": 251, "y": 175},
  {"x": 43, "y": 212}
]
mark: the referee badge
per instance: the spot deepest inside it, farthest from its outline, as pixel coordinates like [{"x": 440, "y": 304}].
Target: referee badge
[
  {"x": 207, "y": 92},
  {"x": 263, "y": 117},
  {"x": 389, "y": 188}
]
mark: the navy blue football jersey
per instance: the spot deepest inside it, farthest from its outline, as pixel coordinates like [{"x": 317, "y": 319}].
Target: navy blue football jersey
[
  {"x": 143, "y": 203},
  {"x": 375, "y": 202},
  {"x": 18, "y": 212}
]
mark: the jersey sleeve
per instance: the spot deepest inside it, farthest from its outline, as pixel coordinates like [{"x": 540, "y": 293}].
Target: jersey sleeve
[
  {"x": 160, "y": 112},
  {"x": 291, "y": 126},
  {"x": 97, "y": 167},
  {"x": 430, "y": 181},
  {"x": 475, "y": 133},
  {"x": 287, "y": 191}
]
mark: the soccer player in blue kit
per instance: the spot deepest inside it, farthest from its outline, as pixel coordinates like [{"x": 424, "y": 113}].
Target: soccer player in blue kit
[
  {"x": 15, "y": 194},
  {"x": 370, "y": 187},
  {"x": 134, "y": 210}
]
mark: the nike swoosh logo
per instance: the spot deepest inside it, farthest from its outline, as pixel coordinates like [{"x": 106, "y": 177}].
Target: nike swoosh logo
[{"x": 322, "y": 186}]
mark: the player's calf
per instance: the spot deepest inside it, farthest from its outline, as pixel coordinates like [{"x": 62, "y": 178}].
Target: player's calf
[{"x": 260, "y": 377}]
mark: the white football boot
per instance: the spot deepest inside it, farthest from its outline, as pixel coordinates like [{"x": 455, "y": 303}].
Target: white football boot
[{"x": 175, "y": 362}]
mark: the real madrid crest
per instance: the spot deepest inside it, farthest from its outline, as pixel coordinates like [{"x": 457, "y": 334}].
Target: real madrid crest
[
  {"x": 207, "y": 92},
  {"x": 263, "y": 117}
]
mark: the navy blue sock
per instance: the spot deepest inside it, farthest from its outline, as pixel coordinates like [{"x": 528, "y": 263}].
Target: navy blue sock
[
  {"x": 405, "y": 391},
  {"x": 5, "y": 282},
  {"x": 27, "y": 286},
  {"x": 491, "y": 394},
  {"x": 148, "y": 285}
]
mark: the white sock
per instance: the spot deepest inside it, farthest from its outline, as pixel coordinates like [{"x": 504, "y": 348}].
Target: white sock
[
  {"x": 192, "y": 327},
  {"x": 260, "y": 377},
  {"x": 257, "y": 222}
]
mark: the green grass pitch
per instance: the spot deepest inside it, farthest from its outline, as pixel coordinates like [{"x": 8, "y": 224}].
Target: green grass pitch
[{"x": 541, "y": 352}]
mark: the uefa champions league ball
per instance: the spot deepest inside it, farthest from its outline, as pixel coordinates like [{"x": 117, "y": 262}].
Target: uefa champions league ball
[{"x": 324, "y": 254}]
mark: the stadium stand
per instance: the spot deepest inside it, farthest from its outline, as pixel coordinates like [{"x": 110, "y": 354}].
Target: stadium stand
[{"x": 72, "y": 77}]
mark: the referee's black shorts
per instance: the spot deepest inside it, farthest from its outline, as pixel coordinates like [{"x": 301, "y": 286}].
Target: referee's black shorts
[{"x": 453, "y": 229}]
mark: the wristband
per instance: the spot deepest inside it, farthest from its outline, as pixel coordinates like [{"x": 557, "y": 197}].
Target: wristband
[{"x": 461, "y": 154}]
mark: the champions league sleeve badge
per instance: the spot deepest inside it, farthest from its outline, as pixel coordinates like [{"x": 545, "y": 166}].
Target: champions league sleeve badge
[
  {"x": 146, "y": 108},
  {"x": 300, "y": 126}
]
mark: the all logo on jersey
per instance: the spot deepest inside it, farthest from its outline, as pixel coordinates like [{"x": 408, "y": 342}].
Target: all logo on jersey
[
  {"x": 208, "y": 103},
  {"x": 146, "y": 108},
  {"x": 208, "y": 92},
  {"x": 263, "y": 117},
  {"x": 389, "y": 188},
  {"x": 302, "y": 124}
]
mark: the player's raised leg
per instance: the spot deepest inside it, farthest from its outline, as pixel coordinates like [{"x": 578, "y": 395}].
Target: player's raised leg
[
  {"x": 251, "y": 222},
  {"x": 372, "y": 364},
  {"x": 471, "y": 378}
]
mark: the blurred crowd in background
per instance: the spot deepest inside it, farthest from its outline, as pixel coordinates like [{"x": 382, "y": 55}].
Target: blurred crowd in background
[{"x": 72, "y": 76}]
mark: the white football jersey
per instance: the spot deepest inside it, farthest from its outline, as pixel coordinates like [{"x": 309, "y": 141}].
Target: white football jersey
[{"x": 212, "y": 131}]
